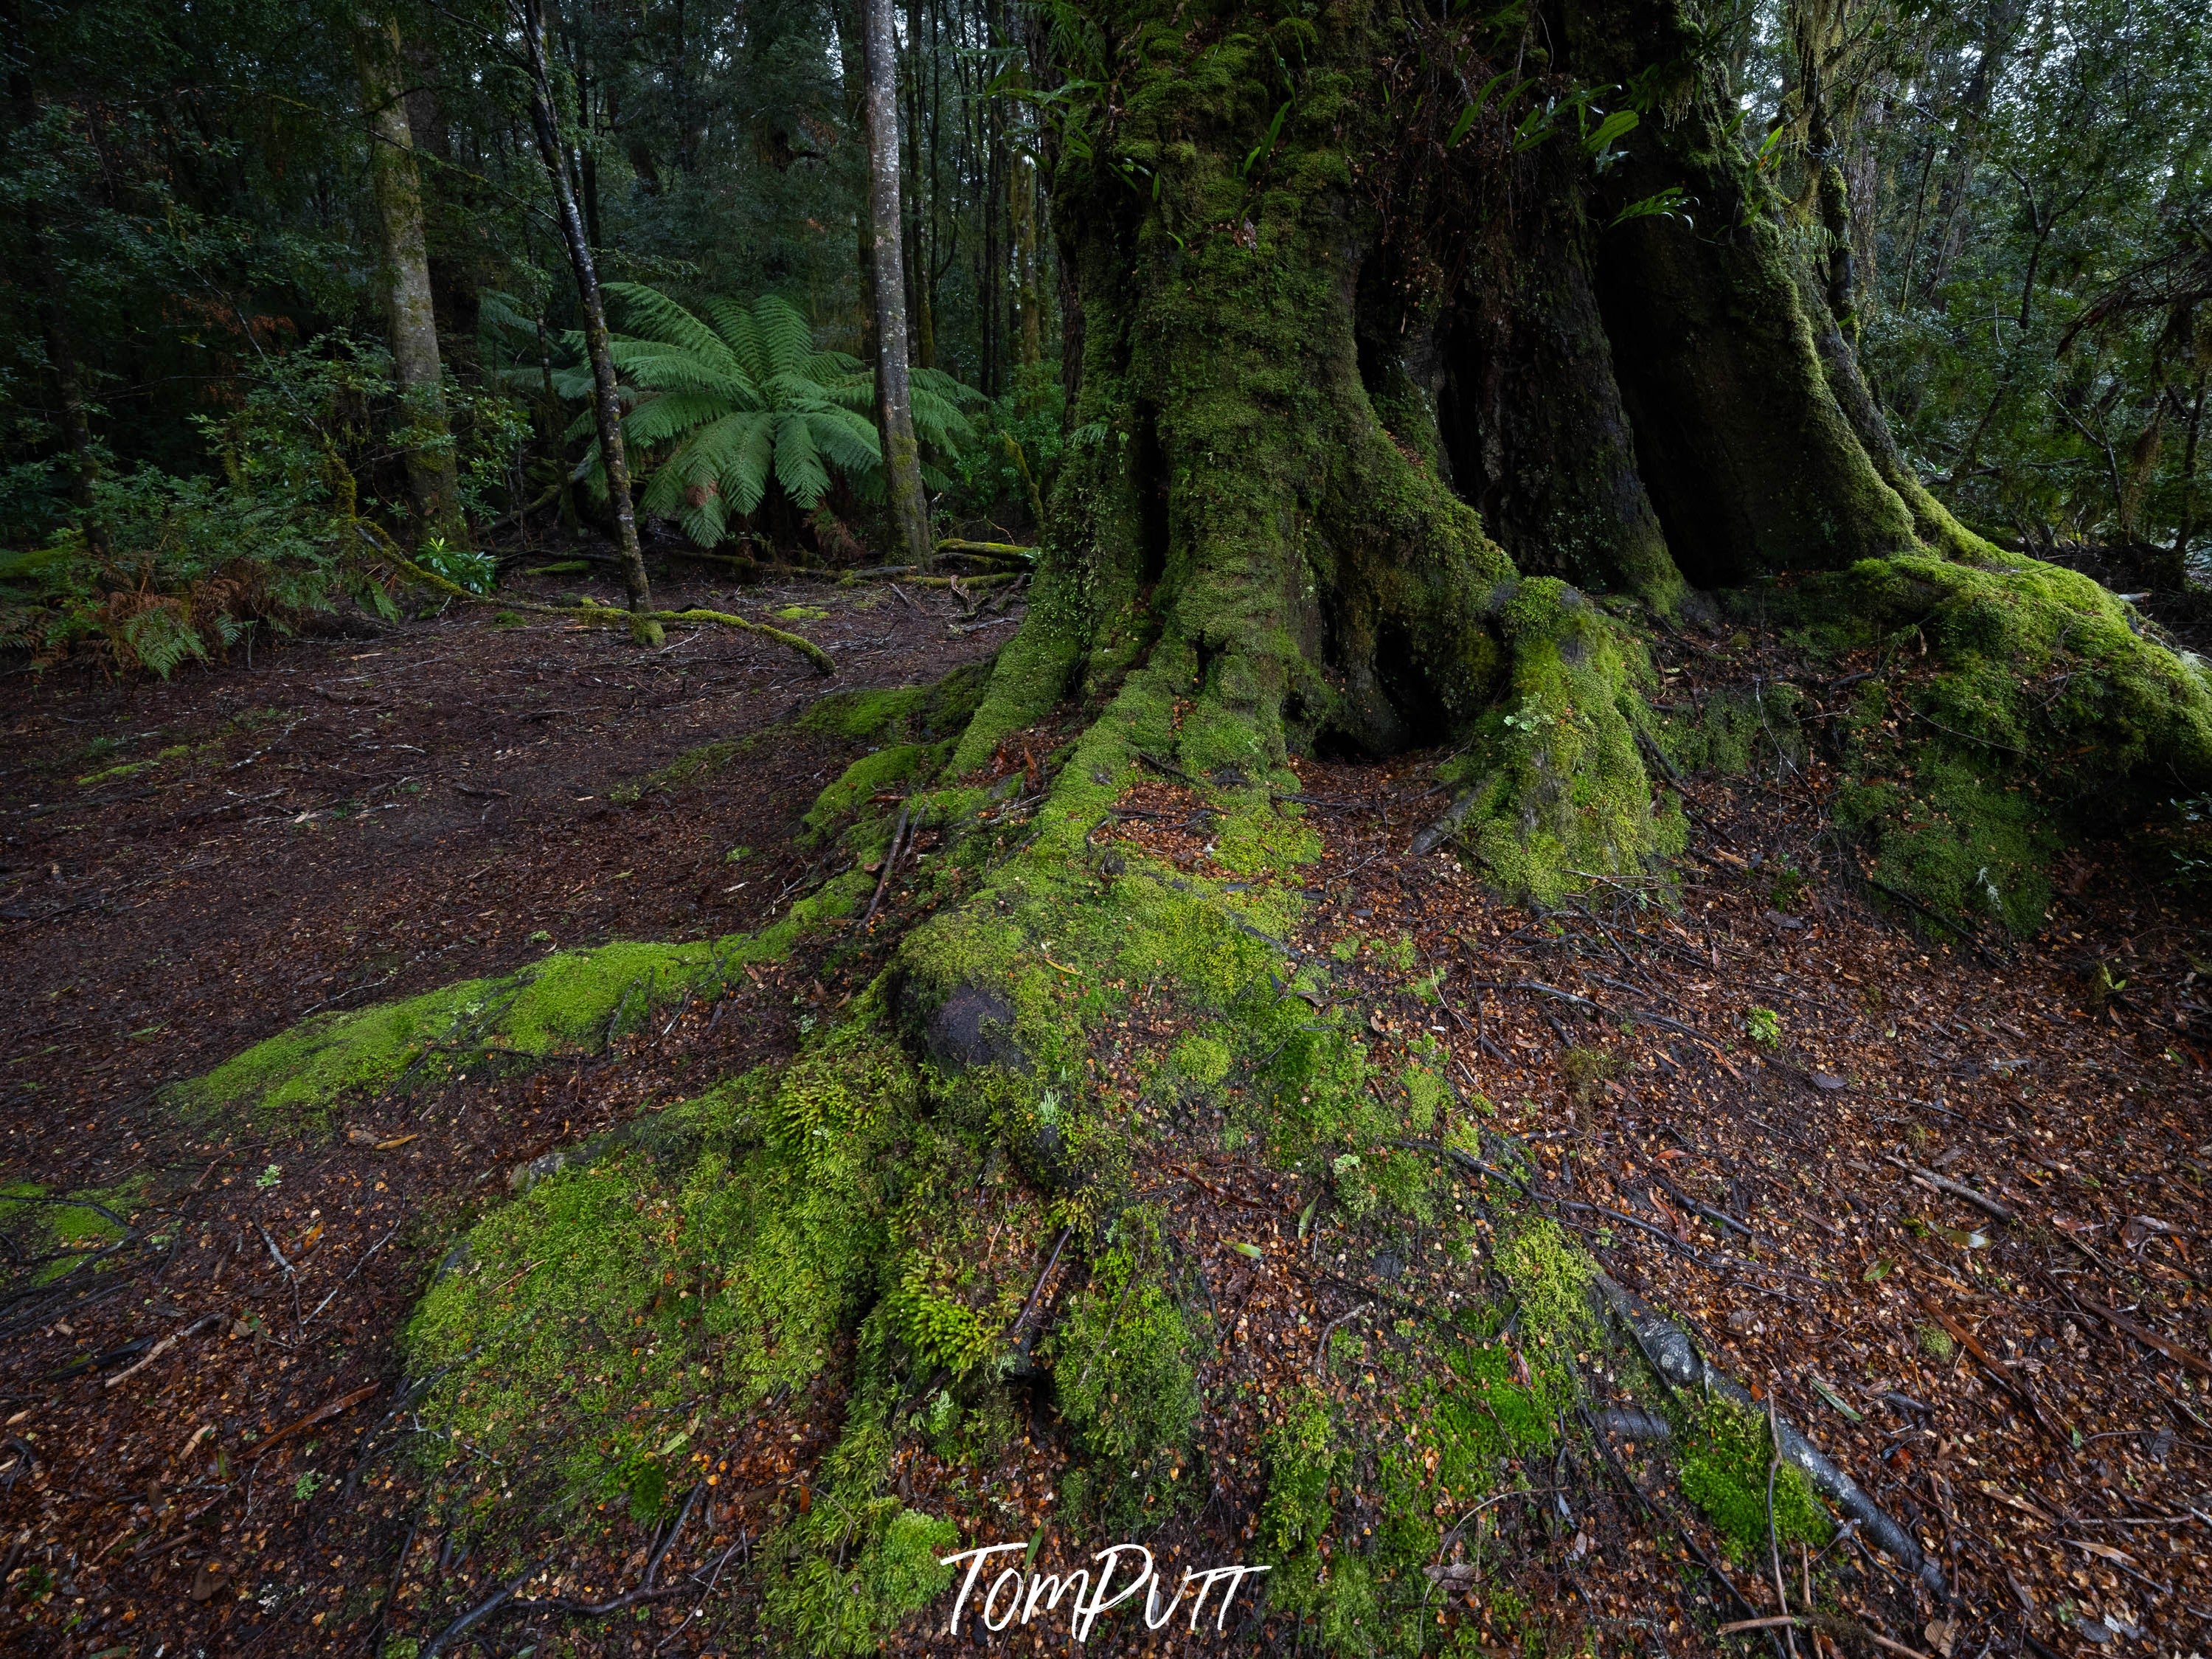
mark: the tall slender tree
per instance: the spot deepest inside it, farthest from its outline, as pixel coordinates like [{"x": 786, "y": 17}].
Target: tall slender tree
[
  {"x": 606, "y": 399},
  {"x": 894, "y": 406},
  {"x": 404, "y": 271}
]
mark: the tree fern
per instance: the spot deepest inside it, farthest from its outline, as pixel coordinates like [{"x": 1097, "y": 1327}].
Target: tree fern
[{"x": 742, "y": 401}]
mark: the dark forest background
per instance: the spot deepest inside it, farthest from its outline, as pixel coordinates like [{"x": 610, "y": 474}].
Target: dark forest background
[{"x": 196, "y": 389}]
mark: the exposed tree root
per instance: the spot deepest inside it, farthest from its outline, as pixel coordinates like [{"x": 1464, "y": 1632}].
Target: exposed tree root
[
  {"x": 605, "y": 616},
  {"x": 1670, "y": 1352}
]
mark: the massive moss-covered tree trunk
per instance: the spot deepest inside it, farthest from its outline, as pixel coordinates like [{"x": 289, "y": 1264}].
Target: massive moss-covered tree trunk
[{"x": 1394, "y": 426}]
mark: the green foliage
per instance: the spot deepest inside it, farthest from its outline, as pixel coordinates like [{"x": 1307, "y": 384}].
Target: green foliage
[
  {"x": 1764, "y": 1027},
  {"x": 464, "y": 567},
  {"x": 742, "y": 401},
  {"x": 192, "y": 563},
  {"x": 1723, "y": 1454},
  {"x": 2028, "y": 324},
  {"x": 1122, "y": 1376},
  {"x": 1015, "y": 453}
]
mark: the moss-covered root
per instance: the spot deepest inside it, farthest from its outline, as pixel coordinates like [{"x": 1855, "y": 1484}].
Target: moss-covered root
[
  {"x": 1554, "y": 793},
  {"x": 2021, "y": 704},
  {"x": 1721, "y": 1452},
  {"x": 644, "y": 626},
  {"x": 567, "y": 1002}
]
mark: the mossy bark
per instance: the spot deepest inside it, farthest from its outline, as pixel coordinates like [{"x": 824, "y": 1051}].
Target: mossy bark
[
  {"x": 406, "y": 278},
  {"x": 1259, "y": 544}
]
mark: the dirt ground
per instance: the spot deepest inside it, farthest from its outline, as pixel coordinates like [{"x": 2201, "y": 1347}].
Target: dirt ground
[{"x": 191, "y": 867}]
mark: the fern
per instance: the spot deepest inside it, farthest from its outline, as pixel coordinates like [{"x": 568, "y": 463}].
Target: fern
[{"x": 742, "y": 401}]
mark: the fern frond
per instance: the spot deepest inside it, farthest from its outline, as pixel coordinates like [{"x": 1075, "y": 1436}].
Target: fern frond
[
  {"x": 740, "y": 332},
  {"x": 786, "y": 337},
  {"x": 799, "y": 466},
  {"x": 956, "y": 392},
  {"x": 670, "y": 414},
  {"x": 744, "y": 481},
  {"x": 847, "y": 440},
  {"x": 938, "y": 421},
  {"x": 730, "y": 457},
  {"x": 652, "y": 367},
  {"x": 649, "y": 315}
]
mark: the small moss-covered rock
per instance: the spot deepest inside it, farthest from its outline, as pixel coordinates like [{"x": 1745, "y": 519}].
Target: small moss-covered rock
[{"x": 1559, "y": 794}]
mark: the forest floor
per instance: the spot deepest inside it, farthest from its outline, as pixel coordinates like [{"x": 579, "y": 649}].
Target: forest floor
[{"x": 192, "y": 866}]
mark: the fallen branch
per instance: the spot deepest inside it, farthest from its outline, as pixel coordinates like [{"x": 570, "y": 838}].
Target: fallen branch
[
  {"x": 891, "y": 861},
  {"x": 1006, "y": 551},
  {"x": 2148, "y": 1337},
  {"x": 1037, "y": 1290},
  {"x": 322, "y": 1413},
  {"x": 1670, "y": 1352},
  {"x": 648, "y": 1588},
  {"x": 1957, "y": 1189},
  {"x": 606, "y": 615},
  {"x": 1834, "y": 1626},
  {"x": 476, "y": 1615},
  {"x": 2003, "y": 1379},
  {"x": 163, "y": 1347},
  {"x": 1940, "y": 920}
]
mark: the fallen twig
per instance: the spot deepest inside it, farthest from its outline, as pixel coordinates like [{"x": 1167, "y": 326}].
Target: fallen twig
[
  {"x": 606, "y": 615},
  {"x": 163, "y": 1347},
  {"x": 2145, "y": 1335},
  {"x": 1320, "y": 1348},
  {"x": 1956, "y": 1188},
  {"x": 890, "y": 862},
  {"x": 1037, "y": 1290}
]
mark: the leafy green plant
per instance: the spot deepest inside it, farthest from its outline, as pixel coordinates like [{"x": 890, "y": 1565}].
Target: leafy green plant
[
  {"x": 1764, "y": 1027},
  {"x": 276, "y": 530},
  {"x": 742, "y": 401},
  {"x": 464, "y": 567}
]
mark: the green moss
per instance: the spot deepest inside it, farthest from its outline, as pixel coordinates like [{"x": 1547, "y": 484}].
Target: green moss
[
  {"x": 566, "y": 1002},
  {"x": 859, "y": 782},
  {"x": 80, "y": 1226},
  {"x": 2020, "y": 705},
  {"x": 905, "y": 713},
  {"x": 1723, "y": 1452},
  {"x": 857, "y": 1560},
  {"x": 1122, "y": 1376},
  {"x": 1203, "y": 1060},
  {"x": 1559, "y": 797},
  {"x": 1301, "y": 1455},
  {"x": 1732, "y": 734}
]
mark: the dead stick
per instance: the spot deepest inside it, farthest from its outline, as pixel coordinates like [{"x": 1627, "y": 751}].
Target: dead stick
[
  {"x": 1773, "y": 1537},
  {"x": 891, "y": 858},
  {"x": 607, "y": 616},
  {"x": 1320, "y": 1349},
  {"x": 1037, "y": 1290}
]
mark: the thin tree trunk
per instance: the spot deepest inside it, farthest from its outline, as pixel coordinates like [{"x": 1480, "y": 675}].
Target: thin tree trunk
[
  {"x": 1953, "y": 213},
  {"x": 894, "y": 406},
  {"x": 607, "y": 401},
  {"x": 1028, "y": 293},
  {"x": 409, "y": 312},
  {"x": 2177, "y": 560},
  {"x": 853, "y": 65}
]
